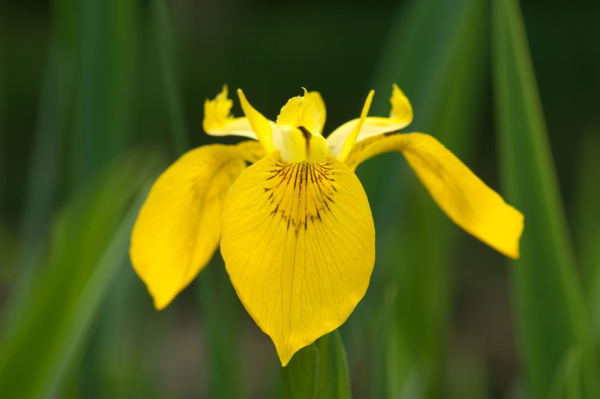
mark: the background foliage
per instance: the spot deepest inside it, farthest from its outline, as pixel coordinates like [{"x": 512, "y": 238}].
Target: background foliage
[{"x": 98, "y": 97}]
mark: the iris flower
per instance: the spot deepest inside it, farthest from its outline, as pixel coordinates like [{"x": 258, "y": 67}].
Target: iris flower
[{"x": 295, "y": 227}]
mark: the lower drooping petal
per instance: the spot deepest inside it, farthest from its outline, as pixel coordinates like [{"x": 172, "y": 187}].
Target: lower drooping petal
[
  {"x": 179, "y": 226},
  {"x": 468, "y": 201},
  {"x": 299, "y": 247}
]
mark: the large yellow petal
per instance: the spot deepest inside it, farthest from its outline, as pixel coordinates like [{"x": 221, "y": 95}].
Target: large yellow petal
[
  {"x": 299, "y": 246},
  {"x": 179, "y": 225},
  {"x": 400, "y": 117},
  {"x": 471, "y": 204}
]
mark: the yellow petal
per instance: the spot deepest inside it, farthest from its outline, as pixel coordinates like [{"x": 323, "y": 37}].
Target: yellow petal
[
  {"x": 305, "y": 111},
  {"x": 466, "y": 200},
  {"x": 400, "y": 117},
  {"x": 219, "y": 122},
  {"x": 299, "y": 247},
  {"x": 351, "y": 139},
  {"x": 401, "y": 109},
  {"x": 259, "y": 123},
  {"x": 320, "y": 105},
  {"x": 179, "y": 225}
]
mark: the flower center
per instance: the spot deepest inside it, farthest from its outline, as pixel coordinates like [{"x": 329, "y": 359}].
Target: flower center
[{"x": 298, "y": 144}]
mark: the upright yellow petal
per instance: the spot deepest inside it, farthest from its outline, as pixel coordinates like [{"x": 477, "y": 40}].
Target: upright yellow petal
[
  {"x": 320, "y": 105},
  {"x": 401, "y": 112},
  {"x": 400, "y": 117},
  {"x": 466, "y": 200},
  {"x": 299, "y": 247},
  {"x": 219, "y": 122},
  {"x": 179, "y": 225},
  {"x": 259, "y": 123},
  {"x": 351, "y": 139},
  {"x": 303, "y": 111}
]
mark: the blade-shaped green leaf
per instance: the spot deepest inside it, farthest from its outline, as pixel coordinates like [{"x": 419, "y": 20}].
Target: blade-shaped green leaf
[
  {"x": 318, "y": 371},
  {"x": 44, "y": 175},
  {"x": 550, "y": 309},
  {"x": 104, "y": 82},
  {"x": 166, "y": 53},
  {"x": 89, "y": 242},
  {"x": 125, "y": 355},
  {"x": 587, "y": 211},
  {"x": 567, "y": 382},
  {"x": 46, "y": 160},
  {"x": 587, "y": 221},
  {"x": 43, "y": 183}
]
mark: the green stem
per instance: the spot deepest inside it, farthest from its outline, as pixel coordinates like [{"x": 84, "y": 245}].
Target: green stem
[{"x": 318, "y": 371}]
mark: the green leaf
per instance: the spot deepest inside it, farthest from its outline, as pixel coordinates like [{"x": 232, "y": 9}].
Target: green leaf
[
  {"x": 47, "y": 149},
  {"x": 567, "y": 383},
  {"x": 587, "y": 221},
  {"x": 89, "y": 243},
  {"x": 44, "y": 176},
  {"x": 550, "y": 308},
  {"x": 166, "y": 53},
  {"x": 104, "y": 83},
  {"x": 586, "y": 209},
  {"x": 318, "y": 371}
]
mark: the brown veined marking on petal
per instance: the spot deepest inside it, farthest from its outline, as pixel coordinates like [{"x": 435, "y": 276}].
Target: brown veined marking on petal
[
  {"x": 288, "y": 189},
  {"x": 307, "y": 135}
]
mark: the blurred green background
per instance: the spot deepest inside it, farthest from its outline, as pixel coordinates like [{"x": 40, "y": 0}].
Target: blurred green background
[{"x": 97, "y": 97}]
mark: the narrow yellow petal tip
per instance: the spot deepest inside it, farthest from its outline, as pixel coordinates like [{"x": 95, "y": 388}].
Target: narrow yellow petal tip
[
  {"x": 242, "y": 97},
  {"x": 160, "y": 304},
  {"x": 351, "y": 139},
  {"x": 511, "y": 246},
  {"x": 320, "y": 105},
  {"x": 402, "y": 111},
  {"x": 259, "y": 123}
]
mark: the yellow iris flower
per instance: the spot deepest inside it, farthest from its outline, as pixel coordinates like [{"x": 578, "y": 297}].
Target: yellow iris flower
[{"x": 295, "y": 227}]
